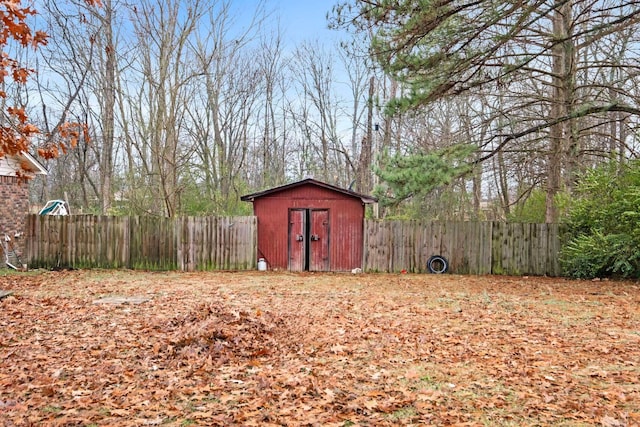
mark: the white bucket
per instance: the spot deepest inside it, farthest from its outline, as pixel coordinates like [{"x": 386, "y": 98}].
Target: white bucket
[{"x": 262, "y": 265}]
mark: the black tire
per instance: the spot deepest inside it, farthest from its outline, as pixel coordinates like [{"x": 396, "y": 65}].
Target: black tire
[{"x": 437, "y": 264}]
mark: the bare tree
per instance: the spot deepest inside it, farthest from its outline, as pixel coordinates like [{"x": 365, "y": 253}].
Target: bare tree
[
  {"x": 164, "y": 31},
  {"x": 272, "y": 133},
  {"x": 318, "y": 109},
  {"x": 223, "y": 112},
  {"x": 85, "y": 59},
  {"x": 60, "y": 96}
]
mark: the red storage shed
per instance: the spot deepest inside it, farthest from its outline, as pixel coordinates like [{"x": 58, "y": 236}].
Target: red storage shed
[{"x": 310, "y": 226}]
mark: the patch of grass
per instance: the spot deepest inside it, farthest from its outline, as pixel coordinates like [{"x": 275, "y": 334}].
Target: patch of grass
[
  {"x": 556, "y": 302},
  {"x": 189, "y": 406},
  {"x": 7, "y": 272},
  {"x": 428, "y": 382},
  {"x": 403, "y": 413},
  {"x": 211, "y": 399},
  {"x": 445, "y": 301},
  {"x": 52, "y": 409},
  {"x": 486, "y": 298},
  {"x": 507, "y": 305}
]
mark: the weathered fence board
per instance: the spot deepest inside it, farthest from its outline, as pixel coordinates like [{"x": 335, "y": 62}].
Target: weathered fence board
[
  {"x": 150, "y": 243},
  {"x": 470, "y": 247}
]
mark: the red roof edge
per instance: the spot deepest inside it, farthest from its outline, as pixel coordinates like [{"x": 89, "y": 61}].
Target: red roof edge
[{"x": 363, "y": 197}]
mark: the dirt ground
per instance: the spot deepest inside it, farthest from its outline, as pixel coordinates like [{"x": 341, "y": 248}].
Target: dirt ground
[{"x": 122, "y": 348}]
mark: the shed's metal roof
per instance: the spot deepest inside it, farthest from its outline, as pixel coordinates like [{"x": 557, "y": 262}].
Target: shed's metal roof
[{"x": 253, "y": 196}]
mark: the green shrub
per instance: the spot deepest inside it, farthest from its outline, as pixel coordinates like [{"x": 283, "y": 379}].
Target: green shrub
[
  {"x": 598, "y": 255},
  {"x": 604, "y": 224}
]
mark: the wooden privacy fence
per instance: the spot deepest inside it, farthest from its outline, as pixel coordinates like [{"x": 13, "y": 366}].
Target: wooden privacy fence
[
  {"x": 189, "y": 243},
  {"x": 470, "y": 247},
  {"x": 230, "y": 243}
]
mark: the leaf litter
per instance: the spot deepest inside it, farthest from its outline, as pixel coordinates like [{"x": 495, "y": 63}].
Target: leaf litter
[{"x": 317, "y": 349}]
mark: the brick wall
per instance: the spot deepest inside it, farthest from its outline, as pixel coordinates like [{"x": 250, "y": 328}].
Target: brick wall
[{"x": 14, "y": 205}]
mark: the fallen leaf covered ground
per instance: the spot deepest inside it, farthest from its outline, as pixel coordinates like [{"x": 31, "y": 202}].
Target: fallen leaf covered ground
[{"x": 285, "y": 349}]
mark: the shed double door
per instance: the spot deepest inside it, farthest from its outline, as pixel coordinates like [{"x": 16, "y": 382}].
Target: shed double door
[{"x": 309, "y": 240}]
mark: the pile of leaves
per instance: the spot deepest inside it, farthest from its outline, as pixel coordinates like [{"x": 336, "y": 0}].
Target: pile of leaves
[
  {"x": 317, "y": 349},
  {"x": 215, "y": 331}
]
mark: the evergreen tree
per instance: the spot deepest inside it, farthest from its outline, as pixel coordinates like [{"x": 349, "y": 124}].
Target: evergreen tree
[
  {"x": 416, "y": 176},
  {"x": 604, "y": 224}
]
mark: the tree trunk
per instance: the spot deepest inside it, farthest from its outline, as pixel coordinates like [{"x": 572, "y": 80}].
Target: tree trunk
[
  {"x": 364, "y": 184},
  {"x": 108, "y": 112},
  {"x": 563, "y": 140}
]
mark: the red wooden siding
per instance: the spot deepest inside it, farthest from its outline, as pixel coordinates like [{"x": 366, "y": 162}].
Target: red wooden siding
[
  {"x": 319, "y": 241},
  {"x": 297, "y": 243},
  {"x": 336, "y": 218}
]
